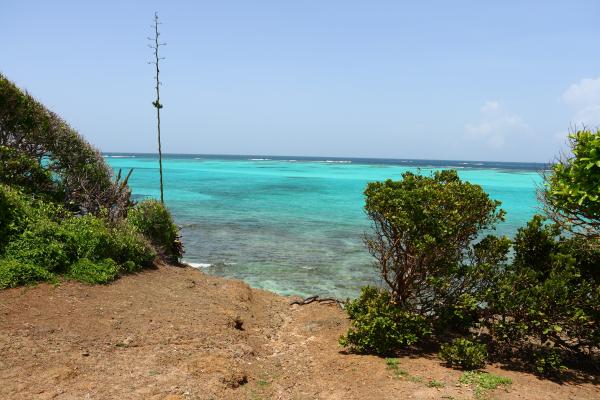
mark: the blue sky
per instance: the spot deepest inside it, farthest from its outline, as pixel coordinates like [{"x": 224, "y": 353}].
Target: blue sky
[{"x": 477, "y": 80}]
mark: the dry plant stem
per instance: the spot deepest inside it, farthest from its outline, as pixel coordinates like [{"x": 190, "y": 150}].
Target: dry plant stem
[
  {"x": 157, "y": 103},
  {"x": 316, "y": 298}
]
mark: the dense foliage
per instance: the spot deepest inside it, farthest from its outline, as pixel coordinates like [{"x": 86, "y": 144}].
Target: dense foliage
[
  {"x": 549, "y": 296},
  {"x": 572, "y": 193},
  {"x": 62, "y": 213},
  {"x": 37, "y": 145},
  {"x": 46, "y": 240},
  {"x": 152, "y": 219},
  {"x": 464, "y": 353},
  {"x": 380, "y": 326},
  {"x": 14, "y": 273},
  {"x": 23, "y": 171},
  {"x": 536, "y": 296},
  {"x": 422, "y": 227}
]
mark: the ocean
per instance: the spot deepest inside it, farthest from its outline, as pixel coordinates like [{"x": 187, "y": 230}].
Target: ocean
[{"x": 294, "y": 225}]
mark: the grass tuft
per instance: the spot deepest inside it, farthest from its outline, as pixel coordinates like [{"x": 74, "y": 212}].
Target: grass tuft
[
  {"x": 484, "y": 382},
  {"x": 435, "y": 384},
  {"x": 393, "y": 364}
]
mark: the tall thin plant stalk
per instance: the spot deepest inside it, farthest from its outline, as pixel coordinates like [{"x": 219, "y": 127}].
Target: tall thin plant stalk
[{"x": 155, "y": 45}]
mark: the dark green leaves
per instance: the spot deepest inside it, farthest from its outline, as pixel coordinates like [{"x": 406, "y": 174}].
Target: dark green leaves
[{"x": 572, "y": 194}]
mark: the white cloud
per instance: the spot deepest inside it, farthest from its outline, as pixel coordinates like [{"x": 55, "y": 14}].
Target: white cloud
[
  {"x": 490, "y": 106},
  {"x": 496, "y": 126},
  {"x": 584, "y": 99}
]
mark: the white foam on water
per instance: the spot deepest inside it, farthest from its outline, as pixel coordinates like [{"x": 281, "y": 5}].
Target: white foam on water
[
  {"x": 197, "y": 265},
  {"x": 259, "y": 159}
]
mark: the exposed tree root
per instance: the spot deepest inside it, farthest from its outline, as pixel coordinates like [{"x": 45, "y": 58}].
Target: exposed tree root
[{"x": 324, "y": 300}]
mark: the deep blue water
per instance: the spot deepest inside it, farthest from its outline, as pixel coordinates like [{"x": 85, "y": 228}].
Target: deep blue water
[{"x": 294, "y": 225}]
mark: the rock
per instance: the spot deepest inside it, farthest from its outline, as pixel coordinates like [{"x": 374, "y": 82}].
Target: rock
[
  {"x": 241, "y": 350},
  {"x": 234, "y": 378}
]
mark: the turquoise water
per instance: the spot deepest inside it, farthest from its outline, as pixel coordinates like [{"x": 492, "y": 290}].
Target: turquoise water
[{"x": 295, "y": 226}]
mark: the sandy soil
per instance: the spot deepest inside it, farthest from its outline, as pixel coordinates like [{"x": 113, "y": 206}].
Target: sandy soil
[{"x": 176, "y": 333}]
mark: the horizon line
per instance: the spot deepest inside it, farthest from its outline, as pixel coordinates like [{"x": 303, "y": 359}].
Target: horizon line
[{"x": 325, "y": 157}]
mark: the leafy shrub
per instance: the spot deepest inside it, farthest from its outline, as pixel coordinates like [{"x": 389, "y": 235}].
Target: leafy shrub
[
  {"x": 586, "y": 253},
  {"x": 380, "y": 326},
  {"x": 88, "y": 271},
  {"x": 154, "y": 221},
  {"x": 86, "y": 237},
  {"x": 422, "y": 228},
  {"x": 43, "y": 234},
  {"x": 38, "y": 144},
  {"x": 548, "y": 362},
  {"x": 41, "y": 245},
  {"x": 92, "y": 238},
  {"x": 25, "y": 172},
  {"x": 464, "y": 353},
  {"x": 572, "y": 191},
  {"x": 129, "y": 248},
  {"x": 61, "y": 211},
  {"x": 534, "y": 245},
  {"x": 13, "y": 214},
  {"x": 547, "y": 295},
  {"x": 15, "y": 273}
]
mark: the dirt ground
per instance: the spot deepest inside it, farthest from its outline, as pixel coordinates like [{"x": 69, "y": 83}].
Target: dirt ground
[{"x": 176, "y": 333}]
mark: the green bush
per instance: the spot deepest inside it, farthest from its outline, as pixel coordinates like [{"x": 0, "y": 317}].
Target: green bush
[
  {"x": 103, "y": 271},
  {"x": 41, "y": 245},
  {"x": 548, "y": 295},
  {"x": 43, "y": 234},
  {"x": 129, "y": 248},
  {"x": 572, "y": 187},
  {"x": 15, "y": 273},
  {"x": 25, "y": 172},
  {"x": 86, "y": 237},
  {"x": 464, "y": 353},
  {"x": 548, "y": 362},
  {"x": 380, "y": 326},
  {"x": 61, "y": 211},
  {"x": 422, "y": 228},
  {"x": 37, "y": 145},
  {"x": 92, "y": 238},
  {"x": 13, "y": 214},
  {"x": 152, "y": 219}
]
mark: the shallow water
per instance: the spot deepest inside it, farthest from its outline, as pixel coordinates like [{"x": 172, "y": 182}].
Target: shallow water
[{"x": 295, "y": 225}]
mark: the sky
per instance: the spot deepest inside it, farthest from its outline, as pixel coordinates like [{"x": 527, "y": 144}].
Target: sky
[{"x": 460, "y": 80}]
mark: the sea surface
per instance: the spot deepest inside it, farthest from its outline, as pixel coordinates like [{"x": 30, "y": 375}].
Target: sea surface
[{"x": 294, "y": 225}]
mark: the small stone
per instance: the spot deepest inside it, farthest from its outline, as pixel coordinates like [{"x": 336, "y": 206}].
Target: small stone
[{"x": 234, "y": 379}]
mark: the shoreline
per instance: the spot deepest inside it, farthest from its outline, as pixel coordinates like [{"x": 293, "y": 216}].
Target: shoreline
[{"x": 178, "y": 333}]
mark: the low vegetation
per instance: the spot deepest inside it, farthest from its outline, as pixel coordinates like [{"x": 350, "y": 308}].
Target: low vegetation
[
  {"x": 464, "y": 353},
  {"x": 535, "y": 297},
  {"x": 62, "y": 212},
  {"x": 379, "y": 326},
  {"x": 483, "y": 382},
  {"x": 152, "y": 219}
]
